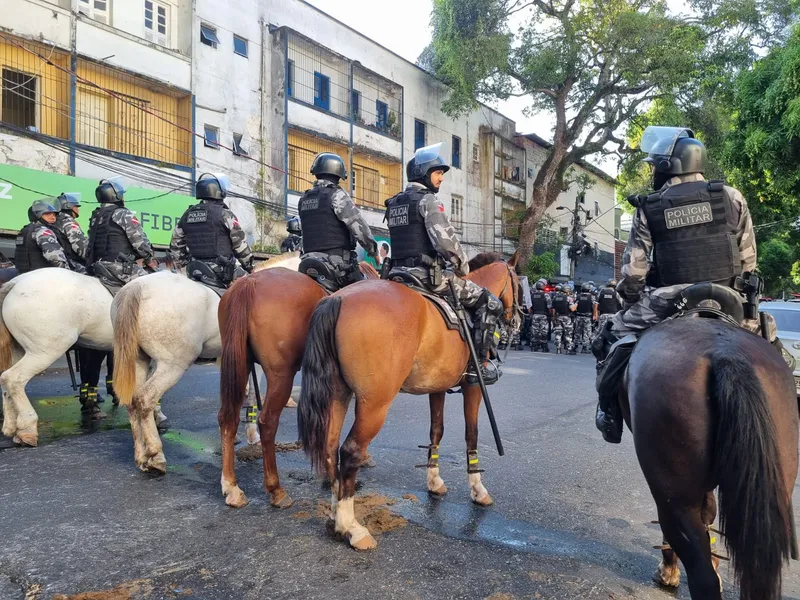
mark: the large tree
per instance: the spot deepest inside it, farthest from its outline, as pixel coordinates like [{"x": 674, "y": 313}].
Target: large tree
[{"x": 592, "y": 65}]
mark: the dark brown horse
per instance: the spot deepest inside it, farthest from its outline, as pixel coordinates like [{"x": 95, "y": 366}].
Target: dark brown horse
[
  {"x": 712, "y": 406},
  {"x": 373, "y": 340},
  {"x": 263, "y": 317}
]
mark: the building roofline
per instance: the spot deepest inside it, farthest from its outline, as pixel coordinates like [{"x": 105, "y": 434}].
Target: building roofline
[
  {"x": 586, "y": 165},
  {"x": 390, "y": 51}
]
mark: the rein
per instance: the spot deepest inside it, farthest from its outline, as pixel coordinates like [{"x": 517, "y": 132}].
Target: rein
[{"x": 513, "y": 314}]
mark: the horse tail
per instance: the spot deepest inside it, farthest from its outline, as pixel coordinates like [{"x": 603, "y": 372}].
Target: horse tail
[
  {"x": 234, "y": 361},
  {"x": 6, "y": 341},
  {"x": 126, "y": 341},
  {"x": 754, "y": 509},
  {"x": 322, "y": 381}
]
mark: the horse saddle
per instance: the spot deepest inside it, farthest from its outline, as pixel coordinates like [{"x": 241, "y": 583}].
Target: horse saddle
[
  {"x": 203, "y": 273},
  {"x": 110, "y": 281},
  {"x": 442, "y": 305},
  {"x": 710, "y": 301}
]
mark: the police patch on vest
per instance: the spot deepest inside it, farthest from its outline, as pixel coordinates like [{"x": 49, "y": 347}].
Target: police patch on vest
[
  {"x": 197, "y": 216},
  {"x": 685, "y": 216},
  {"x": 309, "y": 204},
  {"x": 398, "y": 215}
]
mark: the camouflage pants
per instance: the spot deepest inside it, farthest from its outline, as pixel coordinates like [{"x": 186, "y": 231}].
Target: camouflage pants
[
  {"x": 118, "y": 270},
  {"x": 514, "y": 336},
  {"x": 656, "y": 306},
  {"x": 539, "y": 331},
  {"x": 583, "y": 331},
  {"x": 562, "y": 330},
  {"x": 468, "y": 291}
]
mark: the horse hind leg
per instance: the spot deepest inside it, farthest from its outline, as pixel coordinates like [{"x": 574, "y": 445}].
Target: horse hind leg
[
  {"x": 141, "y": 369},
  {"x": 687, "y": 534},
  {"x": 435, "y": 482},
  {"x": 21, "y": 421}
]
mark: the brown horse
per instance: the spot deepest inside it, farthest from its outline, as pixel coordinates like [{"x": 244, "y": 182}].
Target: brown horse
[
  {"x": 711, "y": 406},
  {"x": 374, "y": 340},
  {"x": 263, "y": 317}
]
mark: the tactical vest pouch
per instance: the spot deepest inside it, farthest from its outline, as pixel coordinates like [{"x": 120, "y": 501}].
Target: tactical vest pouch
[
  {"x": 228, "y": 266},
  {"x": 712, "y": 258}
]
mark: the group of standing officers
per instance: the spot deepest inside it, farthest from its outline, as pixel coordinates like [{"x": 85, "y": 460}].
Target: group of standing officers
[{"x": 573, "y": 319}]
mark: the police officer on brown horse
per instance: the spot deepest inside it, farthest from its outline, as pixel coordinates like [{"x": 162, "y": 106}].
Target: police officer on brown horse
[{"x": 331, "y": 226}]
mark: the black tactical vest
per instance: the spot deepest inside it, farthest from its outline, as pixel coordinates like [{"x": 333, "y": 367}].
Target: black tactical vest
[
  {"x": 561, "y": 304},
  {"x": 584, "y": 303},
  {"x": 539, "y": 302},
  {"x": 206, "y": 235},
  {"x": 62, "y": 222},
  {"x": 27, "y": 253},
  {"x": 607, "y": 302},
  {"x": 106, "y": 239},
  {"x": 322, "y": 229},
  {"x": 407, "y": 227},
  {"x": 693, "y": 228}
]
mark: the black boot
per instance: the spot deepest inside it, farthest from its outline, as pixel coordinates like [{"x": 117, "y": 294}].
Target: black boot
[
  {"x": 610, "y": 374},
  {"x": 110, "y": 391},
  {"x": 486, "y": 338},
  {"x": 89, "y": 408}
]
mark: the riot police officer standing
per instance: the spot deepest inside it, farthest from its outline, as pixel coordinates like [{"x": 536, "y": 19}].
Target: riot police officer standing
[
  {"x": 69, "y": 233},
  {"x": 294, "y": 242},
  {"x": 331, "y": 226},
  {"x": 563, "y": 306},
  {"x": 37, "y": 245},
  {"x": 423, "y": 239},
  {"x": 608, "y": 304},
  {"x": 209, "y": 233},
  {"x": 116, "y": 238},
  {"x": 541, "y": 305},
  {"x": 585, "y": 312}
]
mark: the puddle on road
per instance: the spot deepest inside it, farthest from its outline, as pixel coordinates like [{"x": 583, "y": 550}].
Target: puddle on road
[{"x": 60, "y": 417}]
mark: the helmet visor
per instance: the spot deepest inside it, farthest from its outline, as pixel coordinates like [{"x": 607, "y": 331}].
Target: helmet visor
[
  {"x": 118, "y": 185},
  {"x": 660, "y": 140},
  {"x": 70, "y": 199},
  {"x": 222, "y": 179},
  {"x": 428, "y": 153}
]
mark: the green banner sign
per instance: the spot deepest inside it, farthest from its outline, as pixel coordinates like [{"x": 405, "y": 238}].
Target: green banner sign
[
  {"x": 384, "y": 251},
  {"x": 157, "y": 212}
]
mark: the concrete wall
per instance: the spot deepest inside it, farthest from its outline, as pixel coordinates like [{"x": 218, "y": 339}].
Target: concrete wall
[
  {"x": 44, "y": 21},
  {"x": 24, "y": 152}
]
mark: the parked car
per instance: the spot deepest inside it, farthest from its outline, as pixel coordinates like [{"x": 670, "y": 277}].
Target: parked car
[{"x": 787, "y": 318}]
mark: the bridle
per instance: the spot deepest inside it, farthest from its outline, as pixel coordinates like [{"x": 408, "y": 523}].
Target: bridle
[{"x": 513, "y": 314}]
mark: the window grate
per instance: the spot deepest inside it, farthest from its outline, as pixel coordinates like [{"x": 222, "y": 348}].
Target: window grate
[{"x": 318, "y": 77}]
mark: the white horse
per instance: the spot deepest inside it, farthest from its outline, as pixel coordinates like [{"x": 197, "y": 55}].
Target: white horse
[
  {"x": 43, "y": 313},
  {"x": 169, "y": 321}
]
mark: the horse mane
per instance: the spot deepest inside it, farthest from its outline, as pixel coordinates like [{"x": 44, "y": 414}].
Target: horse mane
[
  {"x": 485, "y": 258},
  {"x": 276, "y": 261}
]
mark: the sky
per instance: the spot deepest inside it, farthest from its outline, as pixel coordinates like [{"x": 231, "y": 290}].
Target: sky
[{"x": 403, "y": 27}]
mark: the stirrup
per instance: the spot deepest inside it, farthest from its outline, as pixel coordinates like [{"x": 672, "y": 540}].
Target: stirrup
[{"x": 491, "y": 374}]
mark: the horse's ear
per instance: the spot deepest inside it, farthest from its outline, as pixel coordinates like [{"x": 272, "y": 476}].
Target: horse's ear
[{"x": 512, "y": 262}]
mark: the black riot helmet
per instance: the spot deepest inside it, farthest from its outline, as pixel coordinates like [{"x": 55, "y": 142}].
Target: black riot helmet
[
  {"x": 68, "y": 200},
  {"x": 559, "y": 288},
  {"x": 586, "y": 287},
  {"x": 327, "y": 165},
  {"x": 212, "y": 186},
  {"x": 42, "y": 207},
  {"x": 110, "y": 191},
  {"x": 293, "y": 226},
  {"x": 612, "y": 283},
  {"x": 673, "y": 151},
  {"x": 540, "y": 285},
  {"x": 426, "y": 160}
]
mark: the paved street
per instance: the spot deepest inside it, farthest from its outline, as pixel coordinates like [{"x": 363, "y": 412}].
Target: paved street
[{"x": 570, "y": 520}]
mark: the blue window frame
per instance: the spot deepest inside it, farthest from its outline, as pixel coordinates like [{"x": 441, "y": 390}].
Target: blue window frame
[
  {"x": 239, "y": 46},
  {"x": 382, "y": 115},
  {"x": 322, "y": 91},
  {"x": 355, "y": 104},
  {"x": 289, "y": 77},
  {"x": 456, "y": 162},
  {"x": 208, "y": 36},
  {"x": 419, "y": 134}
]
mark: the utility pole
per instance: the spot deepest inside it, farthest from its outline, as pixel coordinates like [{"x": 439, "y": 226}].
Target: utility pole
[{"x": 576, "y": 225}]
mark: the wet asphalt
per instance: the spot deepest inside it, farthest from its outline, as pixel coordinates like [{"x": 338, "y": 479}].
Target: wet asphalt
[{"x": 571, "y": 517}]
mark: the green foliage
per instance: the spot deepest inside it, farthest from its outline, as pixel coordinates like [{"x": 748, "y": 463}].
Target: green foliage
[
  {"x": 541, "y": 265},
  {"x": 266, "y": 248},
  {"x": 776, "y": 263}
]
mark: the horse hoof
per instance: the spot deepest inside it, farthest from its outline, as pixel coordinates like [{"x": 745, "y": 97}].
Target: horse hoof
[
  {"x": 439, "y": 491},
  {"x": 485, "y": 500},
  {"x": 27, "y": 439},
  {"x": 368, "y": 463},
  {"x": 280, "y": 499},
  {"x": 669, "y": 577},
  {"x": 157, "y": 463},
  {"x": 163, "y": 426},
  {"x": 364, "y": 543},
  {"x": 236, "y": 498},
  {"x": 290, "y": 403}
]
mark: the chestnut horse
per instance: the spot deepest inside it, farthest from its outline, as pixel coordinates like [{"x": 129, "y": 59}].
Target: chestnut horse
[
  {"x": 373, "y": 340},
  {"x": 711, "y": 406},
  {"x": 263, "y": 317}
]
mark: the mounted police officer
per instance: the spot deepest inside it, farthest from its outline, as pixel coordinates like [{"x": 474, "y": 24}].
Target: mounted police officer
[
  {"x": 585, "y": 313},
  {"x": 608, "y": 304},
  {"x": 37, "y": 245},
  {"x": 331, "y": 225},
  {"x": 293, "y": 243},
  {"x": 209, "y": 233},
  {"x": 541, "y": 305},
  {"x": 688, "y": 231},
  {"x": 562, "y": 307},
  {"x": 69, "y": 233},
  {"x": 423, "y": 239},
  {"x": 116, "y": 238}
]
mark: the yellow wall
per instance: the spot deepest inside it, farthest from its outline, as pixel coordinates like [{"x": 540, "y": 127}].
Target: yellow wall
[
  {"x": 52, "y": 86},
  {"x": 376, "y": 179}
]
